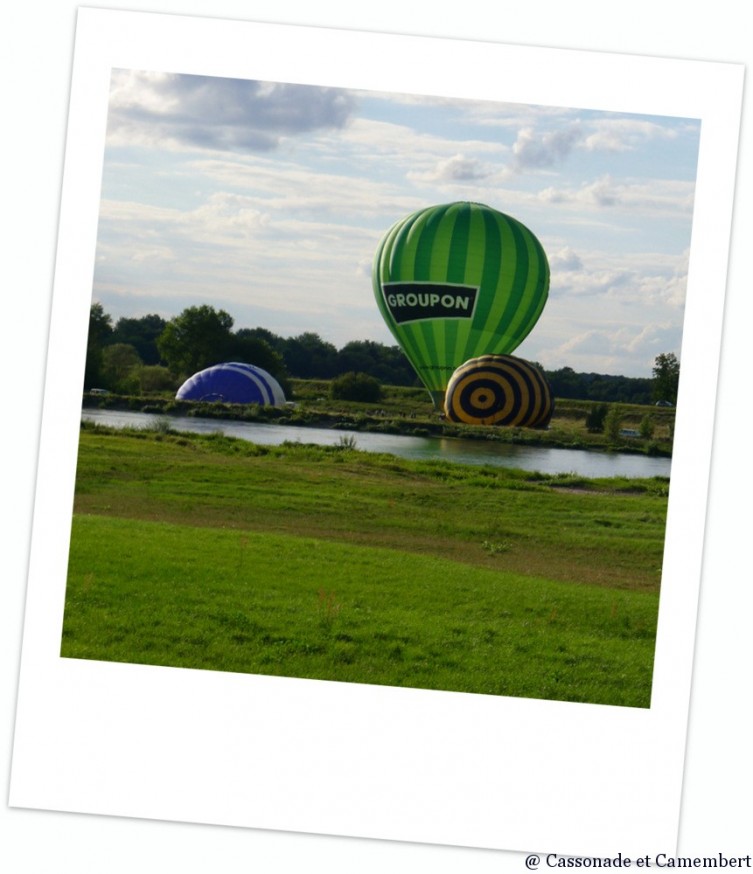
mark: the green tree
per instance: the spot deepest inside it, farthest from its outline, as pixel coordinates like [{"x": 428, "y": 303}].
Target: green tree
[
  {"x": 100, "y": 324},
  {"x": 249, "y": 347},
  {"x": 356, "y": 387},
  {"x": 277, "y": 343},
  {"x": 599, "y": 387},
  {"x": 100, "y": 330},
  {"x": 307, "y": 356},
  {"x": 387, "y": 363},
  {"x": 666, "y": 377},
  {"x": 142, "y": 334},
  {"x": 119, "y": 364},
  {"x": 199, "y": 337}
]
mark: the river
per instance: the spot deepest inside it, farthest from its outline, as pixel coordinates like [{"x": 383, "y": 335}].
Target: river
[{"x": 544, "y": 459}]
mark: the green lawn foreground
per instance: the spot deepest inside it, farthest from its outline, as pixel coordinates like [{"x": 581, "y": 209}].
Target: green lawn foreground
[{"x": 327, "y": 563}]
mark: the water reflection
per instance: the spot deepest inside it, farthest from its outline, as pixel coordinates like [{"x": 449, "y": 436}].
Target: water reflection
[{"x": 539, "y": 458}]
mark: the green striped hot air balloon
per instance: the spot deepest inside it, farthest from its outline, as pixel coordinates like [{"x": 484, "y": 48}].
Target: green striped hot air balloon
[{"x": 457, "y": 281}]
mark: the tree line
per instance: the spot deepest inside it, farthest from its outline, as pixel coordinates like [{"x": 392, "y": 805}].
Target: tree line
[{"x": 151, "y": 354}]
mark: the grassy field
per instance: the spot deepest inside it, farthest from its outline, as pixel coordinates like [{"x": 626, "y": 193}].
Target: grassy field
[{"x": 329, "y": 563}]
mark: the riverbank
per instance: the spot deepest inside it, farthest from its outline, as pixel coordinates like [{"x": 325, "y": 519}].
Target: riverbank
[{"x": 409, "y": 413}]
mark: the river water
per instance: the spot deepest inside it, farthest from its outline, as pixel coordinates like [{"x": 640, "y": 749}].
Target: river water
[{"x": 535, "y": 458}]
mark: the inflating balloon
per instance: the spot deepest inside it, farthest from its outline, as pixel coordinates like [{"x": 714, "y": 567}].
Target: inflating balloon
[
  {"x": 456, "y": 281},
  {"x": 233, "y": 383},
  {"x": 499, "y": 390}
]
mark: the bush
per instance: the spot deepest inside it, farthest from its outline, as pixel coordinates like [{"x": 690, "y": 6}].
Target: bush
[
  {"x": 647, "y": 427},
  {"x": 612, "y": 423},
  {"x": 154, "y": 378},
  {"x": 356, "y": 387},
  {"x": 595, "y": 418}
]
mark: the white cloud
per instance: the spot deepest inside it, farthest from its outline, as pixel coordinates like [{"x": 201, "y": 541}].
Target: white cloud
[
  {"x": 458, "y": 168},
  {"x": 534, "y": 150},
  {"x": 624, "y": 134},
  {"x": 514, "y": 116},
  {"x": 653, "y": 195},
  {"x": 629, "y": 350},
  {"x": 655, "y": 339},
  {"x": 404, "y": 153},
  {"x": 202, "y": 112},
  {"x": 565, "y": 260},
  {"x": 641, "y": 280},
  {"x": 594, "y": 342},
  {"x": 591, "y": 283}
]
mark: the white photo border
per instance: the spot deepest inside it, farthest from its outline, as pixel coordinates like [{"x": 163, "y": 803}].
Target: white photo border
[{"x": 345, "y": 759}]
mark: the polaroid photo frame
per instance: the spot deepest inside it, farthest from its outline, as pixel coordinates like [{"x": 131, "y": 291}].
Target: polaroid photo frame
[{"x": 346, "y": 759}]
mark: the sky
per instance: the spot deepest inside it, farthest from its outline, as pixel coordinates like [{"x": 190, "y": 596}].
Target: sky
[{"x": 268, "y": 200}]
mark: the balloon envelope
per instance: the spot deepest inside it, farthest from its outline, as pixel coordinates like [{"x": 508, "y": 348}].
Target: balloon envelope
[
  {"x": 499, "y": 390},
  {"x": 456, "y": 281},
  {"x": 233, "y": 383}
]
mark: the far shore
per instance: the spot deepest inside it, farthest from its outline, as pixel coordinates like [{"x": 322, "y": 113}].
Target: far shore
[{"x": 564, "y": 432}]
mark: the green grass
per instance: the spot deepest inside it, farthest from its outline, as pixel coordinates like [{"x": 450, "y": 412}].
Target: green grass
[{"x": 328, "y": 563}]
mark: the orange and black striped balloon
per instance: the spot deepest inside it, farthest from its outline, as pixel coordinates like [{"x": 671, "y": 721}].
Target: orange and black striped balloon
[{"x": 499, "y": 390}]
